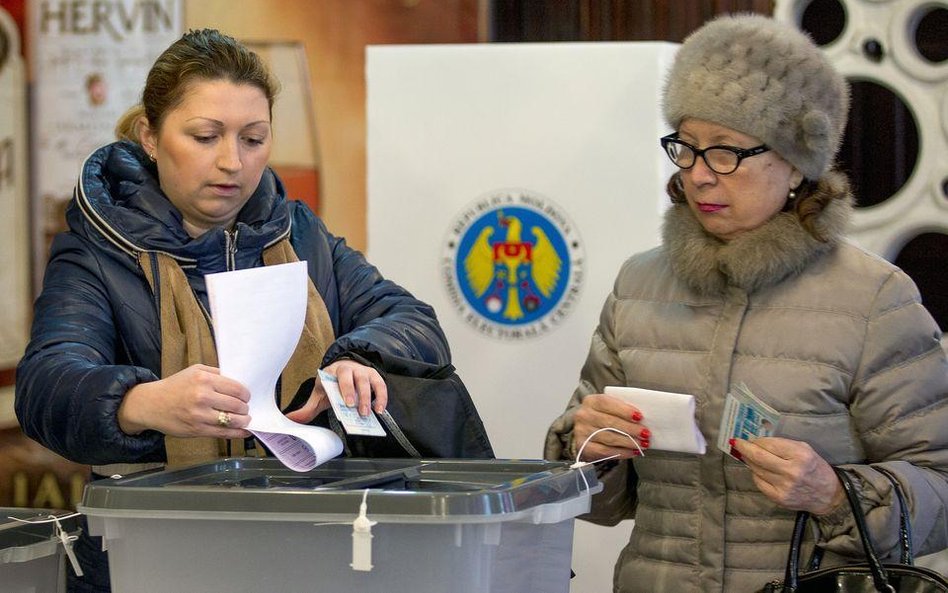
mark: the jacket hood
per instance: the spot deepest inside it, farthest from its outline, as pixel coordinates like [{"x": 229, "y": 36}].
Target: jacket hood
[
  {"x": 758, "y": 258},
  {"x": 118, "y": 198}
]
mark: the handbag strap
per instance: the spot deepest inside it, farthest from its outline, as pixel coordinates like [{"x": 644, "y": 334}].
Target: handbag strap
[
  {"x": 907, "y": 556},
  {"x": 879, "y": 576},
  {"x": 791, "y": 577},
  {"x": 907, "y": 552},
  {"x": 791, "y": 581}
]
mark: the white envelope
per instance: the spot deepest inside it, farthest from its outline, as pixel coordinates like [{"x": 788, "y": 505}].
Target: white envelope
[{"x": 670, "y": 417}]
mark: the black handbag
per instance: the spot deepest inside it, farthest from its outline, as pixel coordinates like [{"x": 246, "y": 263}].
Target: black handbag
[
  {"x": 867, "y": 577},
  {"x": 429, "y": 414}
]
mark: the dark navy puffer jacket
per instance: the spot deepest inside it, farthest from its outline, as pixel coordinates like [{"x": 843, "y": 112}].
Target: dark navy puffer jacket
[{"x": 96, "y": 331}]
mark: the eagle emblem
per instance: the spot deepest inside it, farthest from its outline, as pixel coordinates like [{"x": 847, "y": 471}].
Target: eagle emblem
[{"x": 511, "y": 273}]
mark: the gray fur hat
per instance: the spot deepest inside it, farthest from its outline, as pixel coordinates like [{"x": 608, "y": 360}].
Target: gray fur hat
[{"x": 763, "y": 78}]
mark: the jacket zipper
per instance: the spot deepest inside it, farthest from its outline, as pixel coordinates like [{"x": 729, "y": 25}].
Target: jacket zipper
[
  {"x": 230, "y": 264},
  {"x": 231, "y": 248}
]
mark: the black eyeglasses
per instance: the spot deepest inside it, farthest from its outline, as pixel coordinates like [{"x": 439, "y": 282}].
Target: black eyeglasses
[{"x": 721, "y": 159}]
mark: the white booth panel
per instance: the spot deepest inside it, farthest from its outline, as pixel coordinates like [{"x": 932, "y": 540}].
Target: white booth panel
[{"x": 506, "y": 185}]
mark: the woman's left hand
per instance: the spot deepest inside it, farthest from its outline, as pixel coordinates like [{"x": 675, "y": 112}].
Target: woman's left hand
[
  {"x": 357, "y": 383},
  {"x": 792, "y": 474}
]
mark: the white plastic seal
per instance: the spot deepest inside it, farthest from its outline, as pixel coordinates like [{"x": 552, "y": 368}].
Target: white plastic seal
[{"x": 362, "y": 538}]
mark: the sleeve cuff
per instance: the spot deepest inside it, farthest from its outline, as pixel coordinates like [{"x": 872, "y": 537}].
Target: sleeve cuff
[
  {"x": 569, "y": 446},
  {"x": 837, "y": 516}
]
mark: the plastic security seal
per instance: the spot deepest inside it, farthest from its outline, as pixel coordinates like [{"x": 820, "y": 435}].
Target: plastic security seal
[
  {"x": 362, "y": 538},
  {"x": 66, "y": 540},
  {"x": 62, "y": 535}
]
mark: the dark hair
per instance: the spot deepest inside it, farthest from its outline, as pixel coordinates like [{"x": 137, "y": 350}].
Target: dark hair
[
  {"x": 205, "y": 54},
  {"x": 812, "y": 198}
]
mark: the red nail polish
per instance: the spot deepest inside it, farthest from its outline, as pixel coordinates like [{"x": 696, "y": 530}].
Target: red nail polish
[
  {"x": 636, "y": 416},
  {"x": 731, "y": 442},
  {"x": 646, "y": 434},
  {"x": 644, "y": 444}
]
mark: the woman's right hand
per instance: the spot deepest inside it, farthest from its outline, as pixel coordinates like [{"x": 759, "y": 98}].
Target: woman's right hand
[
  {"x": 189, "y": 403},
  {"x": 599, "y": 410}
]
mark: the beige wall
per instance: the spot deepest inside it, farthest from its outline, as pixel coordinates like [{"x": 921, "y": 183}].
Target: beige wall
[{"x": 335, "y": 33}]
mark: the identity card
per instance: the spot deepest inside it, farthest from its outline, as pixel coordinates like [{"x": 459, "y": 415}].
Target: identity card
[
  {"x": 350, "y": 419},
  {"x": 745, "y": 417}
]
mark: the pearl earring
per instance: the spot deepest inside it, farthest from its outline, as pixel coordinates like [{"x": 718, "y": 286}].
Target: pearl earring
[{"x": 792, "y": 195}]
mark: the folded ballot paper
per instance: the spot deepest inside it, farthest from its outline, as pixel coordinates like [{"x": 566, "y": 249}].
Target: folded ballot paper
[
  {"x": 670, "y": 417},
  {"x": 258, "y": 317}
]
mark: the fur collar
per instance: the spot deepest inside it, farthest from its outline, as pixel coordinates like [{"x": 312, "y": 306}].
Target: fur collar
[{"x": 758, "y": 258}]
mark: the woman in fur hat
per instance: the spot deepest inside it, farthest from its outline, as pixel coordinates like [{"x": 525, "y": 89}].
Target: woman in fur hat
[{"x": 755, "y": 285}]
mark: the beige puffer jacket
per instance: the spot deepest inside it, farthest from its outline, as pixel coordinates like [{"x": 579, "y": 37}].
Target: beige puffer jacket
[{"x": 834, "y": 338}]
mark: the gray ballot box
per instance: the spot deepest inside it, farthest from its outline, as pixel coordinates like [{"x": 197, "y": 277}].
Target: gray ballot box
[
  {"x": 253, "y": 525},
  {"x": 32, "y": 557}
]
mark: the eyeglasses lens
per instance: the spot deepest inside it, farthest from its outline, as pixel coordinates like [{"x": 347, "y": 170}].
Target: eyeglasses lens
[
  {"x": 721, "y": 160},
  {"x": 680, "y": 154}
]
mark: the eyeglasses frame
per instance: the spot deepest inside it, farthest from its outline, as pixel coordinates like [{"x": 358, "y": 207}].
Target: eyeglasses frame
[{"x": 742, "y": 153}]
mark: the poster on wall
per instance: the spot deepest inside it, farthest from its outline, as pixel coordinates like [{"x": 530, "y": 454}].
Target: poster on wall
[
  {"x": 14, "y": 232},
  {"x": 30, "y": 476},
  {"x": 89, "y": 62}
]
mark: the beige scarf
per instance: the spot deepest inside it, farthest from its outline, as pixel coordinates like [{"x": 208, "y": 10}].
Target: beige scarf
[{"x": 186, "y": 340}]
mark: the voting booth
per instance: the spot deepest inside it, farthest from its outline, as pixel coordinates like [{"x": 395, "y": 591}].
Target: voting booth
[
  {"x": 545, "y": 159},
  {"x": 367, "y": 525}
]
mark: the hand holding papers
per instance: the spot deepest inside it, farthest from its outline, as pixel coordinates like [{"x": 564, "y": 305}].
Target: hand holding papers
[
  {"x": 258, "y": 317},
  {"x": 670, "y": 418}
]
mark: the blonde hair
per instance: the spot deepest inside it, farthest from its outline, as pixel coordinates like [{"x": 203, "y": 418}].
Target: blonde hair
[{"x": 127, "y": 126}]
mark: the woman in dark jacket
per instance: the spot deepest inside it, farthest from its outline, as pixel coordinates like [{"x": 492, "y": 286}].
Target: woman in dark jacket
[{"x": 118, "y": 370}]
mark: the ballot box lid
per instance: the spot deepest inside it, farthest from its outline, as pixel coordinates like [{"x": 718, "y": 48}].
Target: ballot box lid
[{"x": 395, "y": 490}]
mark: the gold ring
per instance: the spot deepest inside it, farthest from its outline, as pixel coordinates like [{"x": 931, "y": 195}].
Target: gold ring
[{"x": 223, "y": 418}]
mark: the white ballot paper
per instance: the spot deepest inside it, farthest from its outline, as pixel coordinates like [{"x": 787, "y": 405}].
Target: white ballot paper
[
  {"x": 670, "y": 417},
  {"x": 258, "y": 318}
]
